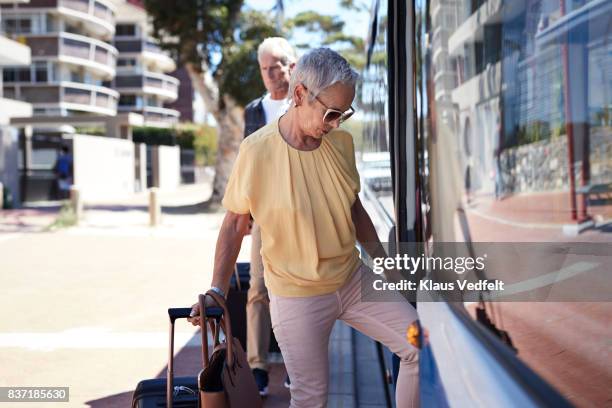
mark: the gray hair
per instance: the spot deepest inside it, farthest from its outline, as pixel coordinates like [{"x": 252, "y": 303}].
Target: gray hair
[
  {"x": 320, "y": 69},
  {"x": 279, "y": 48}
]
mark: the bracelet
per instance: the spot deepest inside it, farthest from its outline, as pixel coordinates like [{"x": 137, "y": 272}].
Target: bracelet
[{"x": 218, "y": 291}]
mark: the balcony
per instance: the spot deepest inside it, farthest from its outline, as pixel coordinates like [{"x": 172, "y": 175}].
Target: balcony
[
  {"x": 439, "y": 41},
  {"x": 98, "y": 15},
  {"x": 471, "y": 30},
  {"x": 13, "y": 53},
  {"x": 10, "y": 108},
  {"x": 148, "y": 83},
  {"x": 154, "y": 116},
  {"x": 75, "y": 49},
  {"x": 72, "y": 96},
  {"x": 150, "y": 51},
  {"x": 481, "y": 87}
]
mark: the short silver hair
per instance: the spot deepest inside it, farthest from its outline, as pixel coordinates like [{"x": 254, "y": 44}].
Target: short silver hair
[
  {"x": 279, "y": 48},
  {"x": 320, "y": 69}
]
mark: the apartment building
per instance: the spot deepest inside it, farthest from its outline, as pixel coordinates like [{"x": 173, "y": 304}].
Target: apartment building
[
  {"x": 12, "y": 53},
  {"x": 142, "y": 68},
  {"x": 73, "y": 61}
]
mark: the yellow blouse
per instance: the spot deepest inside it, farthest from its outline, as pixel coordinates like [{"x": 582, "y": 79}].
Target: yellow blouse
[{"x": 302, "y": 202}]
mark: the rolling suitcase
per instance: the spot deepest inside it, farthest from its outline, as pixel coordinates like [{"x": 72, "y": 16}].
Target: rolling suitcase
[{"x": 184, "y": 390}]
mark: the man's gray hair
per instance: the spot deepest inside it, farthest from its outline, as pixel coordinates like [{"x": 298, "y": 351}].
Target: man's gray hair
[
  {"x": 277, "y": 47},
  {"x": 320, "y": 69}
]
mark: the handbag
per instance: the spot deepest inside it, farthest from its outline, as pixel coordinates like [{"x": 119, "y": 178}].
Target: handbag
[{"x": 226, "y": 380}]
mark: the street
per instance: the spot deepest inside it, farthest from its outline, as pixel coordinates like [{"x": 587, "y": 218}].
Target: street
[{"x": 85, "y": 307}]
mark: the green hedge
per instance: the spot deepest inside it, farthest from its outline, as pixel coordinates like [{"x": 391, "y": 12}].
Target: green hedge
[{"x": 154, "y": 136}]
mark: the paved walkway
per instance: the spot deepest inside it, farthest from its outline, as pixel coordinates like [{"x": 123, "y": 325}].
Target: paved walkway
[{"x": 85, "y": 306}]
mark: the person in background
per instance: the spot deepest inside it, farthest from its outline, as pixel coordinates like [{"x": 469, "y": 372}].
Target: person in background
[
  {"x": 276, "y": 60},
  {"x": 297, "y": 178},
  {"x": 63, "y": 172}
]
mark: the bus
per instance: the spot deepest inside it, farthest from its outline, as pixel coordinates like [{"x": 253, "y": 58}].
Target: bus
[{"x": 493, "y": 119}]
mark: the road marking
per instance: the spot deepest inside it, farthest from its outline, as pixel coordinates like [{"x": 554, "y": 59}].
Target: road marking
[
  {"x": 545, "y": 280},
  {"x": 98, "y": 338}
]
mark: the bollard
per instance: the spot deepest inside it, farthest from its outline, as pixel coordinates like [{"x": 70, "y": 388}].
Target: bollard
[
  {"x": 76, "y": 203},
  {"x": 1, "y": 196},
  {"x": 154, "y": 207}
]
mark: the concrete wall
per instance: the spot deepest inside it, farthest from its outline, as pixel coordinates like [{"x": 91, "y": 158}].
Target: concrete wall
[
  {"x": 168, "y": 167},
  {"x": 103, "y": 167},
  {"x": 543, "y": 165},
  {"x": 9, "y": 151}
]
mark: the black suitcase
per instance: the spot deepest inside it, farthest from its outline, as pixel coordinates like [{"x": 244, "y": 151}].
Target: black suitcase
[
  {"x": 236, "y": 304},
  {"x": 154, "y": 393}
]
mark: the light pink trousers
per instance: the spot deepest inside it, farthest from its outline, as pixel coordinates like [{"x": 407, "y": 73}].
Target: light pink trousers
[{"x": 302, "y": 326}]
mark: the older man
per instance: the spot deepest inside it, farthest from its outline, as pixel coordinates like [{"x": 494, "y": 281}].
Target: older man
[{"x": 276, "y": 60}]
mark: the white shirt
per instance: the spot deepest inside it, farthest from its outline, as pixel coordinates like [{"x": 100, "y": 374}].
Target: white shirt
[{"x": 274, "y": 108}]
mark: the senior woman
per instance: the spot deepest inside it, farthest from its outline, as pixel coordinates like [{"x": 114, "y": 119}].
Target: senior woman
[{"x": 297, "y": 178}]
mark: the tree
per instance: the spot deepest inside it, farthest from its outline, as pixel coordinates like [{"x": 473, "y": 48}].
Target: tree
[
  {"x": 215, "y": 41},
  {"x": 330, "y": 33}
]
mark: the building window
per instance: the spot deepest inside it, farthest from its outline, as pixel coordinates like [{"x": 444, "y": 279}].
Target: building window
[
  {"x": 10, "y": 25},
  {"x": 127, "y": 30},
  {"x": 127, "y": 100},
  {"x": 18, "y": 25},
  {"x": 9, "y": 75},
  {"x": 24, "y": 75},
  {"x": 40, "y": 72},
  {"x": 126, "y": 62},
  {"x": 25, "y": 26}
]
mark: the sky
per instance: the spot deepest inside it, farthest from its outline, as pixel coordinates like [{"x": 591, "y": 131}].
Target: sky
[{"x": 355, "y": 24}]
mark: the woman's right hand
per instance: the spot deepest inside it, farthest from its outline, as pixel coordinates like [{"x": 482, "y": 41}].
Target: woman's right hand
[
  {"x": 194, "y": 318},
  {"x": 195, "y": 310}
]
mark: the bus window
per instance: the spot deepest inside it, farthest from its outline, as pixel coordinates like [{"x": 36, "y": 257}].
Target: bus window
[
  {"x": 514, "y": 103},
  {"x": 371, "y": 127}
]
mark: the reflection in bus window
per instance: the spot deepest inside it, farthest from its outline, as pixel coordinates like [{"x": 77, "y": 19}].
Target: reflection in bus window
[
  {"x": 514, "y": 102},
  {"x": 519, "y": 94},
  {"x": 373, "y": 157}
]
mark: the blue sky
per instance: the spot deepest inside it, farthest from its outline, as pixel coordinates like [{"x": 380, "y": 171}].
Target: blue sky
[{"x": 355, "y": 22}]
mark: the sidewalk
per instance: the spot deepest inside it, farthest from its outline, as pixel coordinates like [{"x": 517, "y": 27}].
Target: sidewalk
[
  {"x": 106, "y": 284},
  {"x": 550, "y": 209},
  {"x": 183, "y": 215},
  {"x": 27, "y": 219}
]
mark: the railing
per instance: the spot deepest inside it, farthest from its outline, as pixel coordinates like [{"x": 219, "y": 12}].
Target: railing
[
  {"x": 165, "y": 82},
  {"x": 73, "y": 45},
  {"x": 153, "y": 113},
  {"x": 148, "y": 79},
  {"x": 162, "y": 114},
  {"x": 137, "y": 45},
  {"x": 94, "y": 8},
  {"x": 79, "y": 5},
  {"x": 90, "y": 95},
  {"x": 50, "y": 94}
]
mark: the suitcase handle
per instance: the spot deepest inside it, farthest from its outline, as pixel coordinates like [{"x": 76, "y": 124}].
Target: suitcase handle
[
  {"x": 173, "y": 314},
  {"x": 184, "y": 313}
]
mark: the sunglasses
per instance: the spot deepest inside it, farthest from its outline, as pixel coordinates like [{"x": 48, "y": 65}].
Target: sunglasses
[{"x": 331, "y": 114}]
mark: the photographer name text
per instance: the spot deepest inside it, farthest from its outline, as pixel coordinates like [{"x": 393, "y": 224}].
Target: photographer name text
[{"x": 428, "y": 284}]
